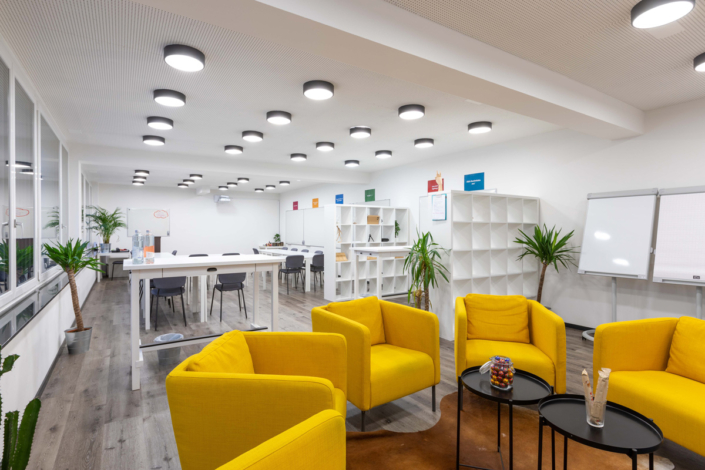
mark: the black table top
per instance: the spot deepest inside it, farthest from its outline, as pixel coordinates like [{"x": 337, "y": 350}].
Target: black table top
[
  {"x": 528, "y": 389},
  {"x": 624, "y": 429}
]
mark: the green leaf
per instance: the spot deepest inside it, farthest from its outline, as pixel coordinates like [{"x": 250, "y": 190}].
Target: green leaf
[
  {"x": 423, "y": 264},
  {"x": 8, "y": 363}
]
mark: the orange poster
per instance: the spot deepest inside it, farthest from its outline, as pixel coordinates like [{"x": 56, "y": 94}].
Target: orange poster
[{"x": 315, "y": 203}]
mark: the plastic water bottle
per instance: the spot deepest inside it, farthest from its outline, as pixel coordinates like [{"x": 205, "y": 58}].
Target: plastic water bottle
[
  {"x": 137, "y": 247},
  {"x": 149, "y": 248}
]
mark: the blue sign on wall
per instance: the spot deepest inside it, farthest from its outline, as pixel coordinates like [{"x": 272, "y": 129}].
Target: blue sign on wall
[
  {"x": 338, "y": 198},
  {"x": 475, "y": 182}
]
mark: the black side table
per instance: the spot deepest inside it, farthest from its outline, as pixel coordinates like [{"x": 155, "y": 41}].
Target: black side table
[
  {"x": 625, "y": 431},
  {"x": 528, "y": 389}
]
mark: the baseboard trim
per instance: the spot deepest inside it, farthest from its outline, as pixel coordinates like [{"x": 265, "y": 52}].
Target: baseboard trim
[{"x": 578, "y": 327}]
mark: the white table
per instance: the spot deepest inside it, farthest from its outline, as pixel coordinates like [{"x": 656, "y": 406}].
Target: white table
[
  {"x": 308, "y": 258},
  {"x": 167, "y": 265},
  {"x": 380, "y": 252},
  {"x": 110, "y": 256}
]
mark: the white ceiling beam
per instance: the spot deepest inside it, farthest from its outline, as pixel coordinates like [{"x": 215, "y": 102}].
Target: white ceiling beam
[{"x": 377, "y": 36}]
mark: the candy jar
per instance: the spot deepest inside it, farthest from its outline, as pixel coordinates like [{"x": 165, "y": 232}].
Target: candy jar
[{"x": 501, "y": 372}]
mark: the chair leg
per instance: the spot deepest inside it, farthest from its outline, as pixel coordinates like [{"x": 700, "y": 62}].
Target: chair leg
[
  {"x": 287, "y": 283},
  {"x": 362, "y": 421},
  {"x": 238, "y": 300},
  {"x": 243, "y": 301},
  {"x": 156, "y": 314},
  {"x": 183, "y": 309},
  {"x": 112, "y": 271},
  {"x": 171, "y": 302},
  {"x": 221, "y": 305},
  {"x": 212, "y": 297},
  {"x": 433, "y": 398}
]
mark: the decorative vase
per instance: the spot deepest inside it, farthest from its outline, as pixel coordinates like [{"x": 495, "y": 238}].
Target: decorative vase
[
  {"x": 78, "y": 342},
  {"x": 105, "y": 247}
]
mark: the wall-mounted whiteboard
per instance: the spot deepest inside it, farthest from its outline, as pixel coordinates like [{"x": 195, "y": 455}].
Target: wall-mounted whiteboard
[
  {"x": 294, "y": 234},
  {"x": 618, "y": 234},
  {"x": 157, "y": 221},
  {"x": 315, "y": 227},
  {"x": 680, "y": 241}
]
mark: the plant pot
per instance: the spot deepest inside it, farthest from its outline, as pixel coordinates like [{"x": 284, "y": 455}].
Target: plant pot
[
  {"x": 78, "y": 342},
  {"x": 105, "y": 247}
]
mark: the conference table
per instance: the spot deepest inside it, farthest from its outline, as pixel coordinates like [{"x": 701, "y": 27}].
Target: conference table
[
  {"x": 168, "y": 265},
  {"x": 109, "y": 256},
  {"x": 308, "y": 258}
]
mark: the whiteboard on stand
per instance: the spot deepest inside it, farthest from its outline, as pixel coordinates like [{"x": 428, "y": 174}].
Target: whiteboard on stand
[
  {"x": 294, "y": 227},
  {"x": 618, "y": 234},
  {"x": 157, "y": 221}
]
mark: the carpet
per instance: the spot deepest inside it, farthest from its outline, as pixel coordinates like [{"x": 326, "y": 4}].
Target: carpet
[{"x": 435, "y": 447}]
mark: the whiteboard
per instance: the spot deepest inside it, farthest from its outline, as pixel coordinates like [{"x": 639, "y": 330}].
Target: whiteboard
[
  {"x": 618, "y": 234},
  {"x": 680, "y": 241},
  {"x": 294, "y": 227},
  {"x": 315, "y": 227},
  {"x": 157, "y": 221}
]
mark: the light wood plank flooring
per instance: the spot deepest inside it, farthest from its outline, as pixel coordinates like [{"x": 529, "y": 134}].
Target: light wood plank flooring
[{"x": 91, "y": 419}]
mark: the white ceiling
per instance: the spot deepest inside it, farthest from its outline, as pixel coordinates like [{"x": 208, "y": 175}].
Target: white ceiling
[
  {"x": 96, "y": 63},
  {"x": 590, "y": 41}
]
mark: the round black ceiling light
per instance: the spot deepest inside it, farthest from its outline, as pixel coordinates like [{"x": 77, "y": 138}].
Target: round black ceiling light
[{"x": 184, "y": 58}]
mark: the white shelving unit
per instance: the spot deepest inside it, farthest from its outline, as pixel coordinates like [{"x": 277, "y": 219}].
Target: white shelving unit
[
  {"x": 484, "y": 255},
  {"x": 356, "y": 232}
]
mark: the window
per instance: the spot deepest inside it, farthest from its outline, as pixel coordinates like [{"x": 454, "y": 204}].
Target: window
[
  {"x": 50, "y": 215},
  {"x": 4, "y": 176},
  {"x": 24, "y": 185},
  {"x": 64, "y": 194}
]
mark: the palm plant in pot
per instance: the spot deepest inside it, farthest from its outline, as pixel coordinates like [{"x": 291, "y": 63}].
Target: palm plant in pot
[
  {"x": 72, "y": 257},
  {"x": 424, "y": 263},
  {"x": 105, "y": 223},
  {"x": 549, "y": 248}
]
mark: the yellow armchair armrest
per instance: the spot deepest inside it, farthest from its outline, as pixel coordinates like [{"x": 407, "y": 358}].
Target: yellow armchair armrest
[
  {"x": 633, "y": 345},
  {"x": 461, "y": 336},
  {"x": 411, "y": 328},
  {"x": 308, "y": 354},
  {"x": 548, "y": 334},
  {"x": 205, "y": 407},
  {"x": 357, "y": 337},
  {"x": 318, "y": 442}
]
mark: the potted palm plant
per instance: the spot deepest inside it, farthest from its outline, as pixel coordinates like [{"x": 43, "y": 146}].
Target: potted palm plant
[
  {"x": 548, "y": 249},
  {"x": 424, "y": 263},
  {"x": 105, "y": 223},
  {"x": 72, "y": 257}
]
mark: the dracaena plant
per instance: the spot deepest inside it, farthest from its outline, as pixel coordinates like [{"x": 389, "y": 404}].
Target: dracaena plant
[
  {"x": 424, "y": 263},
  {"x": 104, "y": 222},
  {"x": 549, "y": 248}
]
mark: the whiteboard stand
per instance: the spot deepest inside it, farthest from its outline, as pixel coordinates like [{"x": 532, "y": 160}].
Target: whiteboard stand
[{"x": 590, "y": 334}]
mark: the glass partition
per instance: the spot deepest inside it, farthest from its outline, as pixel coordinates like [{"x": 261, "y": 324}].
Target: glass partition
[
  {"x": 64, "y": 194},
  {"x": 4, "y": 176},
  {"x": 24, "y": 184},
  {"x": 49, "y": 183}
]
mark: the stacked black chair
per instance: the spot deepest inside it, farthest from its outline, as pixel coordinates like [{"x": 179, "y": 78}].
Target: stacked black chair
[
  {"x": 227, "y": 283},
  {"x": 317, "y": 264},
  {"x": 168, "y": 287},
  {"x": 295, "y": 266}
]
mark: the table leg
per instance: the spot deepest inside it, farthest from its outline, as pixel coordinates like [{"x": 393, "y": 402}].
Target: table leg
[
  {"x": 540, "y": 441},
  {"x": 135, "y": 333},
  {"x": 565, "y": 452},
  {"x": 499, "y": 426},
  {"x": 460, "y": 406},
  {"x": 307, "y": 283},
  {"x": 511, "y": 436},
  {"x": 203, "y": 297},
  {"x": 633, "y": 455},
  {"x": 356, "y": 278},
  {"x": 553, "y": 449},
  {"x": 651, "y": 461},
  {"x": 264, "y": 280},
  {"x": 147, "y": 299},
  {"x": 379, "y": 277},
  {"x": 255, "y": 300},
  {"x": 275, "y": 302}
]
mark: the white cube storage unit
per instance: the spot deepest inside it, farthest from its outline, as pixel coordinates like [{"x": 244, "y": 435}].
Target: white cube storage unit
[
  {"x": 484, "y": 257},
  {"x": 348, "y": 228}
]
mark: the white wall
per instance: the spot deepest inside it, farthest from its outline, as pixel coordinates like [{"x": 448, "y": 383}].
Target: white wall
[
  {"x": 561, "y": 168},
  {"x": 198, "y": 224}
]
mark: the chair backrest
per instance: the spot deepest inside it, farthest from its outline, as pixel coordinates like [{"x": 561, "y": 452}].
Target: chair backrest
[
  {"x": 255, "y": 250},
  {"x": 294, "y": 249},
  {"x": 232, "y": 278},
  {"x": 296, "y": 261},
  {"x": 319, "y": 252},
  {"x": 173, "y": 253},
  {"x": 194, "y": 256},
  {"x": 231, "y": 254},
  {"x": 169, "y": 282},
  {"x": 285, "y": 248},
  {"x": 317, "y": 261},
  {"x": 304, "y": 251}
]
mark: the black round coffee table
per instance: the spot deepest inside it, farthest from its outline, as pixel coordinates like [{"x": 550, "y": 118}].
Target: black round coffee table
[
  {"x": 625, "y": 431},
  {"x": 529, "y": 389}
]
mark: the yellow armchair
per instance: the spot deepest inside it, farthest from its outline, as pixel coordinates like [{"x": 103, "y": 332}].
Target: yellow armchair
[
  {"x": 405, "y": 356},
  {"x": 544, "y": 355},
  {"x": 318, "y": 442},
  {"x": 219, "y": 415}
]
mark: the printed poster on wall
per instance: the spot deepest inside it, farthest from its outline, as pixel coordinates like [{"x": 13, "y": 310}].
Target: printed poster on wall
[
  {"x": 369, "y": 195},
  {"x": 338, "y": 198},
  {"x": 439, "y": 207},
  {"x": 475, "y": 182},
  {"x": 434, "y": 187},
  {"x": 314, "y": 203},
  {"x": 296, "y": 205}
]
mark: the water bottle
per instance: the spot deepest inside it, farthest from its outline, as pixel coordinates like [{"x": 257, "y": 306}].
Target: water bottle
[
  {"x": 149, "y": 248},
  {"x": 137, "y": 247}
]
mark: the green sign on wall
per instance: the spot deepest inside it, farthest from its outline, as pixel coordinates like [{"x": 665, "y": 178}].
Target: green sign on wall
[{"x": 369, "y": 195}]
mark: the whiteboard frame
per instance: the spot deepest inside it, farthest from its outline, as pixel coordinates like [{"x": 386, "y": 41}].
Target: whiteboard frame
[{"x": 617, "y": 194}]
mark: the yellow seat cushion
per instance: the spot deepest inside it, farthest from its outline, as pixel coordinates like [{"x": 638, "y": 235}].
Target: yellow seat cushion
[
  {"x": 366, "y": 311},
  {"x": 227, "y": 354},
  {"x": 397, "y": 372},
  {"x": 675, "y": 403},
  {"x": 687, "y": 356},
  {"x": 526, "y": 357},
  {"x": 498, "y": 317}
]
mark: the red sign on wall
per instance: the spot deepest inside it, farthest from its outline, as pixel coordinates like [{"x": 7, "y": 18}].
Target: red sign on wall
[
  {"x": 433, "y": 186},
  {"x": 296, "y": 205}
]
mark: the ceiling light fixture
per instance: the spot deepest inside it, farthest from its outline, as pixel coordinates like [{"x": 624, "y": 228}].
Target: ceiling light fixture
[
  {"x": 278, "y": 118},
  {"x": 233, "y": 149},
  {"x": 479, "y": 127},
  {"x": 184, "y": 58},
  {"x": 189, "y": 182},
  {"x": 137, "y": 183},
  {"x": 182, "y": 185},
  {"x": 284, "y": 183},
  {"x": 195, "y": 176},
  {"x": 653, "y": 13},
  {"x": 223, "y": 188},
  {"x": 423, "y": 143},
  {"x": 231, "y": 185},
  {"x": 271, "y": 186},
  {"x": 352, "y": 163},
  {"x": 139, "y": 178},
  {"x": 243, "y": 180},
  {"x": 170, "y": 98},
  {"x": 325, "y": 146},
  {"x": 412, "y": 111},
  {"x": 318, "y": 90},
  {"x": 298, "y": 157},
  {"x": 28, "y": 171},
  {"x": 153, "y": 140},
  {"x": 382, "y": 154},
  {"x": 141, "y": 173},
  {"x": 699, "y": 63},
  {"x": 19, "y": 164},
  {"x": 360, "y": 132},
  {"x": 252, "y": 136},
  {"x": 160, "y": 123},
  {"x": 259, "y": 190}
]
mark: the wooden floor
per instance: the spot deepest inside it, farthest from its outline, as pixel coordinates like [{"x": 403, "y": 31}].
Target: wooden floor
[{"x": 91, "y": 419}]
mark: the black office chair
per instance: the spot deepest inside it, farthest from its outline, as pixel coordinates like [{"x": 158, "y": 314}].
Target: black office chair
[
  {"x": 319, "y": 252},
  {"x": 317, "y": 267},
  {"x": 295, "y": 266},
  {"x": 231, "y": 254},
  {"x": 121, "y": 262},
  {"x": 173, "y": 253},
  {"x": 304, "y": 251},
  {"x": 255, "y": 250},
  {"x": 294, "y": 249},
  {"x": 168, "y": 287},
  {"x": 284, "y": 247},
  {"x": 196, "y": 256},
  {"x": 230, "y": 282}
]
